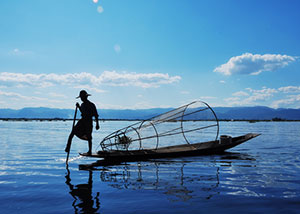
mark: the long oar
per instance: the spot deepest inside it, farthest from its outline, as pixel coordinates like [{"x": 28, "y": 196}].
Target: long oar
[{"x": 69, "y": 145}]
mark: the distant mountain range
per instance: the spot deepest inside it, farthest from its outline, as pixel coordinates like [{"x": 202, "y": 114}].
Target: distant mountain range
[{"x": 223, "y": 113}]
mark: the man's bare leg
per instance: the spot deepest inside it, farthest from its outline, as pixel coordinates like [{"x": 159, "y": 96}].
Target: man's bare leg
[{"x": 90, "y": 147}]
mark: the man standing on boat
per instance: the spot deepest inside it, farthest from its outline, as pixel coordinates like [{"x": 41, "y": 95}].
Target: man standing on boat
[{"x": 84, "y": 127}]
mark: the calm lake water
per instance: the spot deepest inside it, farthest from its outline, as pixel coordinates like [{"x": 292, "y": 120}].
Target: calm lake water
[{"x": 259, "y": 176}]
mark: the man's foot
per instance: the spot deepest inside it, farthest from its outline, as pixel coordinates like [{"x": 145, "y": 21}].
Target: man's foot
[{"x": 89, "y": 153}]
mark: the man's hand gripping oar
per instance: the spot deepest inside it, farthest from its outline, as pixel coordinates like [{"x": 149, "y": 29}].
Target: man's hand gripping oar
[{"x": 68, "y": 147}]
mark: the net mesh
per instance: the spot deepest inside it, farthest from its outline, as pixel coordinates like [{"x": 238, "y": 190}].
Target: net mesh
[{"x": 195, "y": 122}]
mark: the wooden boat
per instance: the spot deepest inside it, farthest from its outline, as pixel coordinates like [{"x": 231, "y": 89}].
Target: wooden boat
[
  {"x": 189, "y": 130},
  {"x": 204, "y": 148}
]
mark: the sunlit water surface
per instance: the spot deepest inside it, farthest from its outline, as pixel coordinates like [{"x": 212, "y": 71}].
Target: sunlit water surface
[{"x": 259, "y": 176}]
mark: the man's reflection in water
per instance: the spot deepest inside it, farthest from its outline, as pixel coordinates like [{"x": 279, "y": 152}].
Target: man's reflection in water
[{"x": 82, "y": 194}]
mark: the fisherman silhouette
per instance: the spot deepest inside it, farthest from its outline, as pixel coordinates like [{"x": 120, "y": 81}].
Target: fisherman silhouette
[{"x": 84, "y": 127}]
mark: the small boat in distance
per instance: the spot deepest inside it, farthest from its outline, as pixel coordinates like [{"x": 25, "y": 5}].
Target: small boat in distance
[{"x": 189, "y": 130}]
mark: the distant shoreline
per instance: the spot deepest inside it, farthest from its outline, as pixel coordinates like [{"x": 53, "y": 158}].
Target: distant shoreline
[
  {"x": 103, "y": 120},
  {"x": 59, "y": 119},
  {"x": 258, "y": 113}
]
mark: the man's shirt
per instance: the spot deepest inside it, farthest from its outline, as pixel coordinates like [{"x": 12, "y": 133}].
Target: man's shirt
[{"x": 88, "y": 110}]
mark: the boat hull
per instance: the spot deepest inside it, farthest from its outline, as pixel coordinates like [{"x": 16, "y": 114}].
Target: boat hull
[{"x": 205, "y": 148}]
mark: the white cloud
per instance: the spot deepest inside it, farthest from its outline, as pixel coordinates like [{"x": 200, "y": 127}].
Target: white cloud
[
  {"x": 111, "y": 78},
  {"x": 240, "y": 94},
  {"x": 10, "y": 94},
  {"x": 142, "y": 105},
  {"x": 222, "y": 81},
  {"x": 288, "y": 96},
  {"x": 17, "y": 96},
  {"x": 56, "y": 95},
  {"x": 252, "y": 97},
  {"x": 254, "y": 63},
  {"x": 290, "y": 89},
  {"x": 258, "y": 96},
  {"x": 18, "y": 100},
  {"x": 45, "y": 89},
  {"x": 232, "y": 101},
  {"x": 150, "y": 80},
  {"x": 137, "y": 105},
  {"x": 287, "y": 102},
  {"x": 263, "y": 93}
]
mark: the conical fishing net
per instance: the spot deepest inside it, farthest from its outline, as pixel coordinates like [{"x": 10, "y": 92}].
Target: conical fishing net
[{"x": 195, "y": 122}]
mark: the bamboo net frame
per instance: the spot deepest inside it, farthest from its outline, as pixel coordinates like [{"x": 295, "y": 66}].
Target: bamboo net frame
[{"x": 173, "y": 122}]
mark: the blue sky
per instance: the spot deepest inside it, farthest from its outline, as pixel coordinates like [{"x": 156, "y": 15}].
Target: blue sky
[{"x": 150, "y": 53}]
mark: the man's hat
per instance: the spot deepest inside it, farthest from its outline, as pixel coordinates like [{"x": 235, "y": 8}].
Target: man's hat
[{"x": 83, "y": 93}]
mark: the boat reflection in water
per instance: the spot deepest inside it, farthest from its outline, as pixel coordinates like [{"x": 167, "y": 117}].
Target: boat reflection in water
[
  {"x": 173, "y": 178},
  {"x": 181, "y": 179},
  {"x": 82, "y": 194}
]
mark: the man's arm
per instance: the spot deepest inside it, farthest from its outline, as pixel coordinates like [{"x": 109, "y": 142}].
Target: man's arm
[
  {"x": 78, "y": 106},
  {"x": 96, "y": 117},
  {"x": 97, "y": 122}
]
